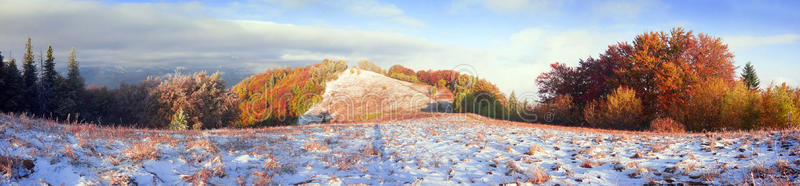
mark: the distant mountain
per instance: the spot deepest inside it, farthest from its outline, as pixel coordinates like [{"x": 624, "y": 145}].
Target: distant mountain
[{"x": 112, "y": 75}]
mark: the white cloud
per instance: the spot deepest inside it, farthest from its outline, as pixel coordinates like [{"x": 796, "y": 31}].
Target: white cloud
[
  {"x": 374, "y": 8},
  {"x": 145, "y": 35},
  {"x": 626, "y": 8},
  {"x": 753, "y": 41},
  {"x": 505, "y": 6}
]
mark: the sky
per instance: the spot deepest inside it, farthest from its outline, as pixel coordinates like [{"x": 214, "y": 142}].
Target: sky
[{"x": 508, "y": 42}]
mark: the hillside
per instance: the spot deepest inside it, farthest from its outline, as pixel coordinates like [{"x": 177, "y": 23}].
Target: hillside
[
  {"x": 358, "y": 95},
  {"x": 446, "y": 149}
]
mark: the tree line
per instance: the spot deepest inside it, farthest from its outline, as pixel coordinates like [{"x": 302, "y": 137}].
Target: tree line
[
  {"x": 199, "y": 99},
  {"x": 674, "y": 80},
  {"x": 41, "y": 91},
  {"x": 687, "y": 80}
]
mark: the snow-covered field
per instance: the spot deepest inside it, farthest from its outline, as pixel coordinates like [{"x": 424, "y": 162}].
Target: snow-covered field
[{"x": 444, "y": 150}]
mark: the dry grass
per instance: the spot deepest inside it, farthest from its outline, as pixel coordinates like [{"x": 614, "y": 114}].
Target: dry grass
[
  {"x": 204, "y": 144},
  {"x": 315, "y": 146},
  {"x": 667, "y": 125},
  {"x": 7, "y": 166},
  {"x": 68, "y": 152},
  {"x": 201, "y": 176},
  {"x": 638, "y": 155},
  {"x": 118, "y": 178},
  {"x": 590, "y": 164},
  {"x": 270, "y": 170},
  {"x": 758, "y": 170},
  {"x": 533, "y": 149},
  {"x": 538, "y": 175},
  {"x": 142, "y": 151}
]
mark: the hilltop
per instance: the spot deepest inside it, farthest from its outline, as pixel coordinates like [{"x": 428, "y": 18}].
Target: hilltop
[{"x": 358, "y": 95}]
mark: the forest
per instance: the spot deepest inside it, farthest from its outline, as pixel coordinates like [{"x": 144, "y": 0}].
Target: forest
[{"x": 662, "y": 81}]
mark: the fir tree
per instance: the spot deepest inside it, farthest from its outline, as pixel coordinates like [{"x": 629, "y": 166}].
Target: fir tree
[
  {"x": 749, "y": 76},
  {"x": 49, "y": 81},
  {"x": 2, "y": 74},
  {"x": 71, "y": 88},
  {"x": 12, "y": 100},
  {"x": 3, "y": 87},
  {"x": 29, "y": 78}
]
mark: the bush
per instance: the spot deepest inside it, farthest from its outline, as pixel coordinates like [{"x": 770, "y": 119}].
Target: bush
[
  {"x": 366, "y": 65},
  {"x": 402, "y": 73},
  {"x": 777, "y": 108},
  {"x": 559, "y": 110},
  {"x": 739, "y": 107},
  {"x": 666, "y": 125},
  {"x": 703, "y": 109},
  {"x": 178, "y": 121},
  {"x": 619, "y": 110},
  {"x": 202, "y": 98}
]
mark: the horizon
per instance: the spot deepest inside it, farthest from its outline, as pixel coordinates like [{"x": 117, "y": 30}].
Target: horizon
[{"x": 508, "y": 43}]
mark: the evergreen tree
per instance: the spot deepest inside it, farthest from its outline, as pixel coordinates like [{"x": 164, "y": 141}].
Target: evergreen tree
[
  {"x": 749, "y": 76},
  {"x": 29, "y": 80},
  {"x": 2, "y": 74},
  {"x": 12, "y": 100},
  {"x": 71, "y": 88},
  {"x": 49, "y": 81},
  {"x": 3, "y": 87}
]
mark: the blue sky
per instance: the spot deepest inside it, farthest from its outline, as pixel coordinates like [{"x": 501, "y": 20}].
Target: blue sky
[{"x": 508, "y": 42}]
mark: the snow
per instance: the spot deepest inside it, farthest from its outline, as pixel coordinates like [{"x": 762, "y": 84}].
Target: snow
[
  {"x": 449, "y": 149},
  {"x": 356, "y": 94}
]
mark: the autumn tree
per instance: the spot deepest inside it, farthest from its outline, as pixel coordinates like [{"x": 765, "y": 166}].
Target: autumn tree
[
  {"x": 621, "y": 109},
  {"x": 367, "y": 65},
  {"x": 202, "y": 100},
  {"x": 280, "y": 95},
  {"x": 749, "y": 76},
  {"x": 402, "y": 73},
  {"x": 663, "y": 68}
]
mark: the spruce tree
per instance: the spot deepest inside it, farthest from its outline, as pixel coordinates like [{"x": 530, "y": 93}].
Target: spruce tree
[
  {"x": 71, "y": 88},
  {"x": 3, "y": 87},
  {"x": 2, "y": 74},
  {"x": 29, "y": 78},
  {"x": 749, "y": 76},
  {"x": 12, "y": 93},
  {"x": 49, "y": 81}
]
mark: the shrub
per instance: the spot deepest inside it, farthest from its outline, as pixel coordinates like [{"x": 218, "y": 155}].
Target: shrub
[
  {"x": 739, "y": 107},
  {"x": 703, "y": 110},
  {"x": 777, "y": 108},
  {"x": 619, "y": 110},
  {"x": 402, "y": 73},
  {"x": 201, "y": 98},
  {"x": 178, "y": 121},
  {"x": 666, "y": 125},
  {"x": 366, "y": 65}
]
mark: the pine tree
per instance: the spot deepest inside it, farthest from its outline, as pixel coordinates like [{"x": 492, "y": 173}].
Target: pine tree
[
  {"x": 749, "y": 76},
  {"x": 71, "y": 88},
  {"x": 29, "y": 78},
  {"x": 49, "y": 81},
  {"x": 12, "y": 94},
  {"x": 3, "y": 80}
]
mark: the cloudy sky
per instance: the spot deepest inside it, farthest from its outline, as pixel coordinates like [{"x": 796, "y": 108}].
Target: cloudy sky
[{"x": 508, "y": 42}]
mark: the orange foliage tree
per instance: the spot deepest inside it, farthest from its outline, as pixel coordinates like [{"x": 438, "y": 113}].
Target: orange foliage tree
[
  {"x": 279, "y": 96},
  {"x": 663, "y": 68}
]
